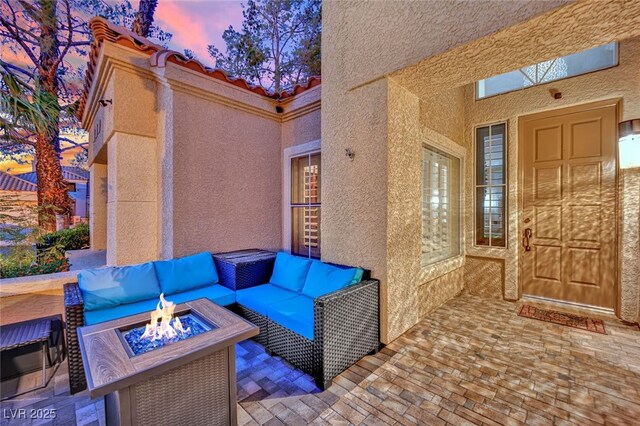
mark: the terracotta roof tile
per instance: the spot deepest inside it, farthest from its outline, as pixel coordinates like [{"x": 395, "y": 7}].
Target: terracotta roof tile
[{"x": 159, "y": 56}]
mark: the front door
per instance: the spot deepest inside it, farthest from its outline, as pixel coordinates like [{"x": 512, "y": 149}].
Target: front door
[{"x": 569, "y": 204}]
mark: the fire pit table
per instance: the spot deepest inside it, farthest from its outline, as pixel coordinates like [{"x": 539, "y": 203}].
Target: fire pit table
[{"x": 188, "y": 380}]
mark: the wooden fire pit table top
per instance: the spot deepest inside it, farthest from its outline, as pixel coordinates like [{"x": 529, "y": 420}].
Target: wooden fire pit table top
[{"x": 109, "y": 368}]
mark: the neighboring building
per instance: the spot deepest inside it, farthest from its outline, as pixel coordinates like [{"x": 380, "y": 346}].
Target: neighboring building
[
  {"x": 454, "y": 151},
  {"x": 18, "y": 198},
  {"x": 77, "y": 183}
]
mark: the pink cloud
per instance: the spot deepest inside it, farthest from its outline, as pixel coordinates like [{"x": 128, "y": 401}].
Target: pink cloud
[{"x": 196, "y": 24}]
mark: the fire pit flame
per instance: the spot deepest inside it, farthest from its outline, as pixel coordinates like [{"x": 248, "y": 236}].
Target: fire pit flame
[{"x": 164, "y": 329}]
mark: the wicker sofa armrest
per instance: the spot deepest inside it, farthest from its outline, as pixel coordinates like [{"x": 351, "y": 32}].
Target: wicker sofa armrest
[
  {"x": 346, "y": 328},
  {"x": 74, "y": 318}
]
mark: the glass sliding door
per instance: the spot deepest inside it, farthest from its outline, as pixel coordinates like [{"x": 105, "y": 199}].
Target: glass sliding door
[{"x": 305, "y": 205}]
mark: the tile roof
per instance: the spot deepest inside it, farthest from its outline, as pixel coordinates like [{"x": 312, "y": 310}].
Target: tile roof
[
  {"x": 159, "y": 56},
  {"x": 68, "y": 173},
  {"x": 9, "y": 182}
]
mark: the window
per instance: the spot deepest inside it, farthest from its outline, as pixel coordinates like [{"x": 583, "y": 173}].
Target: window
[
  {"x": 579, "y": 63},
  {"x": 305, "y": 205},
  {"x": 491, "y": 185},
  {"x": 440, "y": 206}
]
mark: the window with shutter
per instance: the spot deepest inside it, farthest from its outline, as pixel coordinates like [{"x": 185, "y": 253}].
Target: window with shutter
[
  {"x": 305, "y": 205},
  {"x": 491, "y": 185},
  {"x": 440, "y": 206}
]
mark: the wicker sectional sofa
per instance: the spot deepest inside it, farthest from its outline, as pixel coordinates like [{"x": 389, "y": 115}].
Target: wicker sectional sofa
[{"x": 321, "y": 330}]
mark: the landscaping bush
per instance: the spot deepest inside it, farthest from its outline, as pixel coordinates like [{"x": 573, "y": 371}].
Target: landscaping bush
[
  {"x": 22, "y": 265},
  {"x": 66, "y": 239}
]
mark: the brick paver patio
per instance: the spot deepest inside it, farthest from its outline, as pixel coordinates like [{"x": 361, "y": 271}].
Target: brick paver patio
[{"x": 473, "y": 361}]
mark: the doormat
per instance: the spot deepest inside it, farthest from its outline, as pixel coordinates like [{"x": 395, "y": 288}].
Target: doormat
[{"x": 561, "y": 318}]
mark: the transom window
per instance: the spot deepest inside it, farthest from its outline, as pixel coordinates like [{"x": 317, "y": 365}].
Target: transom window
[
  {"x": 305, "y": 205},
  {"x": 491, "y": 185},
  {"x": 595, "y": 59},
  {"x": 440, "y": 206}
]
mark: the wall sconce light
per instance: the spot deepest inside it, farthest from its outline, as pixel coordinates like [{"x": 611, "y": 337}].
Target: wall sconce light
[
  {"x": 629, "y": 144},
  {"x": 104, "y": 102},
  {"x": 350, "y": 153}
]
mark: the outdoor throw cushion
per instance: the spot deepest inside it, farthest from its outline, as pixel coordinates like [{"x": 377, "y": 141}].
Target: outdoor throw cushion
[
  {"x": 295, "y": 314},
  {"x": 186, "y": 273},
  {"x": 108, "y": 287},
  {"x": 120, "y": 311},
  {"x": 218, "y": 294},
  {"x": 289, "y": 272},
  {"x": 324, "y": 278},
  {"x": 259, "y": 298}
]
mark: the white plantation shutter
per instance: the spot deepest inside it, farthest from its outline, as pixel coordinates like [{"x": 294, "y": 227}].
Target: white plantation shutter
[{"x": 440, "y": 202}]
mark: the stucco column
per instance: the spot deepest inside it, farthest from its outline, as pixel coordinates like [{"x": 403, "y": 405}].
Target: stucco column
[
  {"x": 98, "y": 206},
  {"x": 132, "y": 231},
  {"x": 630, "y": 246}
]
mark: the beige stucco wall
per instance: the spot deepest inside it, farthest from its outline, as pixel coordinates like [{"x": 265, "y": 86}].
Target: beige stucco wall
[
  {"x": 374, "y": 200},
  {"x": 374, "y": 38},
  {"x": 226, "y": 178},
  {"x": 98, "y": 206},
  {"x": 363, "y": 109},
  {"x": 195, "y": 164},
  {"x": 623, "y": 82},
  {"x": 301, "y": 118}
]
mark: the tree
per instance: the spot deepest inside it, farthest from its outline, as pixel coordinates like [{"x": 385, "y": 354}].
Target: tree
[
  {"x": 43, "y": 35},
  {"x": 278, "y": 45},
  {"x": 144, "y": 18}
]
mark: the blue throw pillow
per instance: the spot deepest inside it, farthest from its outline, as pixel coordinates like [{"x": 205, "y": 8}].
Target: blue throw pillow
[
  {"x": 324, "y": 278},
  {"x": 289, "y": 272},
  {"x": 109, "y": 287},
  {"x": 186, "y": 273}
]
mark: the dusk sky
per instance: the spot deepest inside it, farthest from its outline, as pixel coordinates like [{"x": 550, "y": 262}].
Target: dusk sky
[
  {"x": 197, "y": 23},
  {"x": 194, "y": 24}
]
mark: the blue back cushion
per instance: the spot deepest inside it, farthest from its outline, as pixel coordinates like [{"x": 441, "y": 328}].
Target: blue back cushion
[
  {"x": 289, "y": 272},
  {"x": 324, "y": 278},
  {"x": 186, "y": 273},
  {"x": 109, "y": 287}
]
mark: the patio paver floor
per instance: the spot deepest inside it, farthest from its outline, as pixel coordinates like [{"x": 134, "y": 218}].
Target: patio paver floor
[{"x": 472, "y": 361}]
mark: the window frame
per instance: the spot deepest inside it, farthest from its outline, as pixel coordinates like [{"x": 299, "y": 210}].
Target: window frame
[
  {"x": 437, "y": 264},
  {"x": 302, "y": 150},
  {"x": 617, "y": 56},
  {"x": 506, "y": 185}
]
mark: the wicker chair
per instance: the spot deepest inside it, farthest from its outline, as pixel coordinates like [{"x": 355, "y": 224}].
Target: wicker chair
[
  {"x": 74, "y": 318},
  {"x": 346, "y": 328}
]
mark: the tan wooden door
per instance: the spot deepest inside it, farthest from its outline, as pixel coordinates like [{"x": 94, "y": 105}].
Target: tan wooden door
[{"x": 569, "y": 204}]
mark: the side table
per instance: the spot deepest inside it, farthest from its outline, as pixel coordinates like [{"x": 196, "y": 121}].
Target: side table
[
  {"x": 244, "y": 268},
  {"x": 31, "y": 332}
]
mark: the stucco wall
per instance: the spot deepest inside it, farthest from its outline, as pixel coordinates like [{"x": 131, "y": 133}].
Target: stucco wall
[
  {"x": 360, "y": 53},
  {"x": 374, "y": 38},
  {"x": 622, "y": 81},
  {"x": 302, "y": 129},
  {"x": 226, "y": 178},
  {"x": 366, "y": 219}
]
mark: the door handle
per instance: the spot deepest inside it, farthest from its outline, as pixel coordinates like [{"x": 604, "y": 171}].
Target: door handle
[{"x": 525, "y": 241}]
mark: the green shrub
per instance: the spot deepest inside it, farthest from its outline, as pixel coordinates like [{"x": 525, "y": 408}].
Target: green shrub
[
  {"x": 48, "y": 262},
  {"x": 66, "y": 239}
]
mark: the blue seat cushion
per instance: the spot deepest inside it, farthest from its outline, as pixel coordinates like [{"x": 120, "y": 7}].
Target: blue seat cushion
[
  {"x": 295, "y": 314},
  {"x": 109, "y": 287},
  {"x": 120, "y": 311},
  {"x": 324, "y": 278},
  {"x": 186, "y": 273},
  {"x": 289, "y": 272},
  {"x": 217, "y": 293},
  {"x": 259, "y": 298}
]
